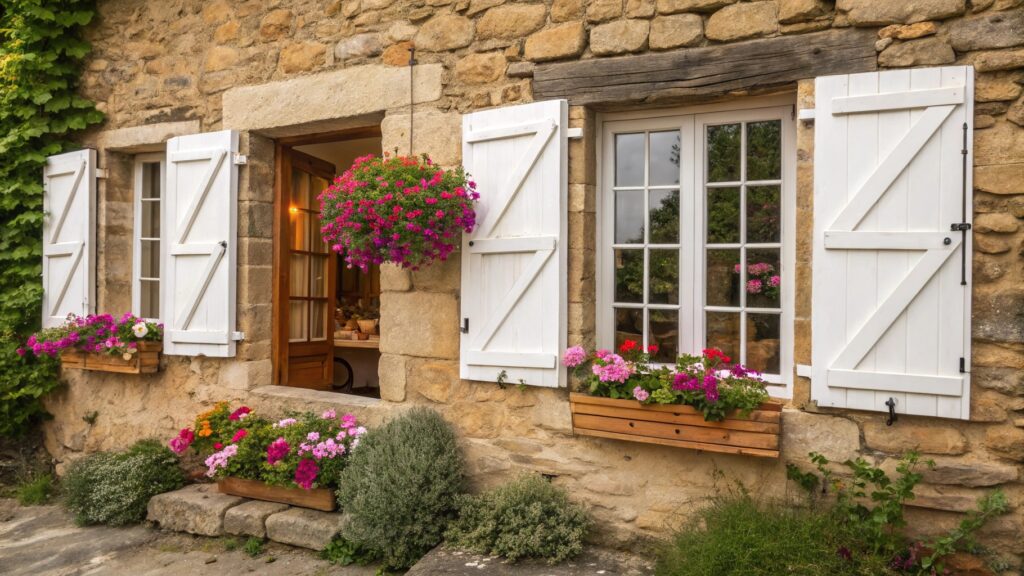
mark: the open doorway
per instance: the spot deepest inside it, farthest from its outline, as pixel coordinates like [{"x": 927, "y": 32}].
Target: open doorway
[{"x": 326, "y": 316}]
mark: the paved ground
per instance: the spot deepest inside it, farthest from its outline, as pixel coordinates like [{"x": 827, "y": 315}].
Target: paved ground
[{"x": 43, "y": 541}]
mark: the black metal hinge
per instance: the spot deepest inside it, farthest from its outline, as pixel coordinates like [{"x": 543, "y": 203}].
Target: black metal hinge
[
  {"x": 963, "y": 365},
  {"x": 960, "y": 227},
  {"x": 465, "y": 326}
]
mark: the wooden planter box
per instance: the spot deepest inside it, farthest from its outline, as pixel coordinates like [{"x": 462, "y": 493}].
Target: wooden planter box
[
  {"x": 145, "y": 361},
  {"x": 316, "y": 498},
  {"x": 758, "y": 434}
]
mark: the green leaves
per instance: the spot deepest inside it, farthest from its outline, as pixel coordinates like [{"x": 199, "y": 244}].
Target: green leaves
[{"x": 41, "y": 52}]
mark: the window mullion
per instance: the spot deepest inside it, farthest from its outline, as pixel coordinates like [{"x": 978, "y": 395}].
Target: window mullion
[{"x": 743, "y": 244}]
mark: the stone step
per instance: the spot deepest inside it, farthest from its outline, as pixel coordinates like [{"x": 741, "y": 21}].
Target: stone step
[
  {"x": 201, "y": 509},
  {"x": 442, "y": 561}
]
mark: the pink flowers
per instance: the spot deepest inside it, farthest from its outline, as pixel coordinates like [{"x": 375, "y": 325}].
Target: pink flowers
[
  {"x": 241, "y": 433},
  {"x": 612, "y": 368},
  {"x": 761, "y": 279},
  {"x": 397, "y": 209},
  {"x": 182, "y": 441},
  {"x": 277, "y": 450},
  {"x": 220, "y": 459},
  {"x": 574, "y": 356},
  {"x": 306, "y": 473},
  {"x": 93, "y": 333},
  {"x": 640, "y": 394}
]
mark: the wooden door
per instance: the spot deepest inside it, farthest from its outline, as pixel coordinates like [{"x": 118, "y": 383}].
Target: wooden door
[{"x": 305, "y": 275}]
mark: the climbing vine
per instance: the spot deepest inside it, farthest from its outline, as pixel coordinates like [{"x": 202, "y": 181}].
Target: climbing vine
[{"x": 41, "y": 53}]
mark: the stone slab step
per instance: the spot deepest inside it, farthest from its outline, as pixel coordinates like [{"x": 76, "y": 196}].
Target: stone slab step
[
  {"x": 196, "y": 509},
  {"x": 306, "y": 528},
  {"x": 201, "y": 509}
]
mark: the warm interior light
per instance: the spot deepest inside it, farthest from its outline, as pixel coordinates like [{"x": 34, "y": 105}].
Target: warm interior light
[{"x": 293, "y": 209}]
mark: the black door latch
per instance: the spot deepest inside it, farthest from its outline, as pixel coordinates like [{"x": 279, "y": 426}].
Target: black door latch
[{"x": 891, "y": 403}]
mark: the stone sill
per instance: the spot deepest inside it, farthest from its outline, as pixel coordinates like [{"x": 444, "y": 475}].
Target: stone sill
[{"x": 279, "y": 400}]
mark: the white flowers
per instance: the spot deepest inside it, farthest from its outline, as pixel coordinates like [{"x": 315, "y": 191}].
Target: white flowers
[{"x": 140, "y": 330}]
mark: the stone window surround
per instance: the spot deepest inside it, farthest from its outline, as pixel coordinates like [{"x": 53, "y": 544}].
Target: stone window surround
[{"x": 782, "y": 105}]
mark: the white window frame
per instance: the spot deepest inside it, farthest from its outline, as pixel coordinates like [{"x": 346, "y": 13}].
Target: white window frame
[
  {"x": 691, "y": 122},
  {"x": 137, "y": 201}
]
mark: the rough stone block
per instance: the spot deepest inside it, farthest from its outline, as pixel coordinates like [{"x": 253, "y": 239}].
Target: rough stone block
[
  {"x": 838, "y": 439},
  {"x": 619, "y": 37},
  {"x": 970, "y": 473},
  {"x": 437, "y": 133},
  {"x": 746, "y": 20},
  {"x": 197, "y": 509},
  {"x": 875, "y": 13},
  {"x": 424, "y": 324},
  {"x": 906, "y": 436},
  {"x": 562, "y": 41},
  {"x": 250, "y": 518},
  {"x": 305, "y": 528}
]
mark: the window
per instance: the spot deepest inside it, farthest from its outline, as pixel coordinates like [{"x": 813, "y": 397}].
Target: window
[
  {"x": 697, "y": 219},
  {"x": 149, "y": 178}
]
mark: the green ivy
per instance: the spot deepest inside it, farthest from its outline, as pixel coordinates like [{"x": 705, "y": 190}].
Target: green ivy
[{"x": 41, "y": 53}]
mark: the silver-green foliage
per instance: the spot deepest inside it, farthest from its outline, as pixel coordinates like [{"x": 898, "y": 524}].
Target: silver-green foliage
[
  {"x": 115, "y": 487},
  {"x": 401, "y": 485},
  {"x": 526, "y": 518}
]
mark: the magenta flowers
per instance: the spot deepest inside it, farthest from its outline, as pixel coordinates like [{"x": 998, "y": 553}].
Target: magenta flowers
[
  {"x": 277, "y": 450},
  {"x": 182, "y": 441},
  {"x": 94, "y": 333},
  {"x": 305, "y": 473},
  {"x": 398, "y": 209}
]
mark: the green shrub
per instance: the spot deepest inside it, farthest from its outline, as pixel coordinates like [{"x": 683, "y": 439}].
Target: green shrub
[
  {"x": 526, "y": 518},
  {"x": 25, "y": 381},
  {"x": 738, "y": 536},
  {"x": 35, "y": 491},
  {"x": 344, "y": 553},
  {"x": 115, "y": 487},
  {"x": 253, "y": 547},
  {"x": 401, "y": 485}
]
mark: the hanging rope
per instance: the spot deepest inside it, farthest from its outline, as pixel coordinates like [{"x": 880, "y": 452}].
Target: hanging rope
[{"x": 412, "y": 64}]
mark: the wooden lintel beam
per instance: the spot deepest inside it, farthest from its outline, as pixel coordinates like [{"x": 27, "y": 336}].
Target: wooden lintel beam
[{"x": 752, "y": 66}]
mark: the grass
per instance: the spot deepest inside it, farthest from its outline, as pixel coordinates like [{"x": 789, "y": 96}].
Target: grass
[
  {"x": 35, "y": 491},
  {"x": 737, "y": 535},
  {"x": 253, "y": 547}
]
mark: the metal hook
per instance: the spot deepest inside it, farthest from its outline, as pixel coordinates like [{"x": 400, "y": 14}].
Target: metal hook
[{"x": 891, "y": 403}]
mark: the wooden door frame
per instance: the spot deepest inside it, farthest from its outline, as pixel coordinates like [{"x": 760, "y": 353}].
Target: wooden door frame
[{"x": 283, "y": 150}]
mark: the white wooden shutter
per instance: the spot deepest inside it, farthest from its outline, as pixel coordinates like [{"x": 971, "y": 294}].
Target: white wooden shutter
[
  {"x": 514, "y": 263},
  {"x": 891, "y": 317},
  {"x": 69, "y": 236},
  {"x": 199, "y": 256}
]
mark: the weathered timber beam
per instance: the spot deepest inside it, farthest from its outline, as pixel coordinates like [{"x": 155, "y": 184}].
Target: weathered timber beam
[{"x": 750, "y": 66}]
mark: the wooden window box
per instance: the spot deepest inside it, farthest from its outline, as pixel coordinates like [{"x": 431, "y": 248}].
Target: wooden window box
[
  {"x": 759, "y": 434},
  {"x": 315, "y": 498},
  {"x": 145, "y": 361}
]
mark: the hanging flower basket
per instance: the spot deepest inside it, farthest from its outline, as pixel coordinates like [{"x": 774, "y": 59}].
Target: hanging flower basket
[
  {"x": 128, "y": 345},
  {"x": 399, "y": 209},
  {"x": 702, "y": 403}
]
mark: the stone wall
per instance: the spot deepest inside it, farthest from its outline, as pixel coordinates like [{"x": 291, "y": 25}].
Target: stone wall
[{"x": 288, "y": 66}]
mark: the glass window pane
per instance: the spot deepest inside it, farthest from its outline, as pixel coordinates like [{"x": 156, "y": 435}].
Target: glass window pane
[
  {"x": 664, "y": 216},
  {"x": 723, "y": 278},
  {"x": 763, "y": 278},
  {"x": 298, "y": 321},
  {"x": 300, "y": 228},
  {"x": 723, "y": 150},
  {"x": 629, "y": 325},
  {"x": 318, "y": 320},
  {"x": 318, "y": 186},
  {"x": 316, "y": 240},
  {"x": 299, "y": 275},
  {"x": 319, "y": 277},
  {"x": 629, "y": 275},
  {"x": 764, "y": 150},
  {"x": 663, "y": 281},
  {"x": 763, "y": 343},
  {"x": 763, "y": 214},
  {"x": 723, "y": 215},
  {"x": 149, "y": 298},
  {"x": 629, "y": 216},
  {"x": 723, "y": 332},
  {"x": 629, "y": 159},
  {"x": 151, "y": 180},
  {"x": 150, "y": 216},
  {"x": 149, "y": 259},
  {"x": 664, "y": 161},
  {"x": 663, "y": 332},
  {"x": 300, "y": 189}
]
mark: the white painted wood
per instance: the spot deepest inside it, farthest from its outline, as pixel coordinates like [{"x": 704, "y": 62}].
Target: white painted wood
[
  {"x": 69, "y": 236},
  {"x": 890, "y": 317},
  {"x": 514, "y": 264},
  {"x": 903, "y": 100},
  {"x": 199, "y": 220}
]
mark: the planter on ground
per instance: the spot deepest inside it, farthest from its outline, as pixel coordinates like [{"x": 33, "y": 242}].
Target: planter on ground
[
  {"x": 145, "y": 361},
  {"x": 315, "y": 498},
  {"x": 758, "y": 434}
]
